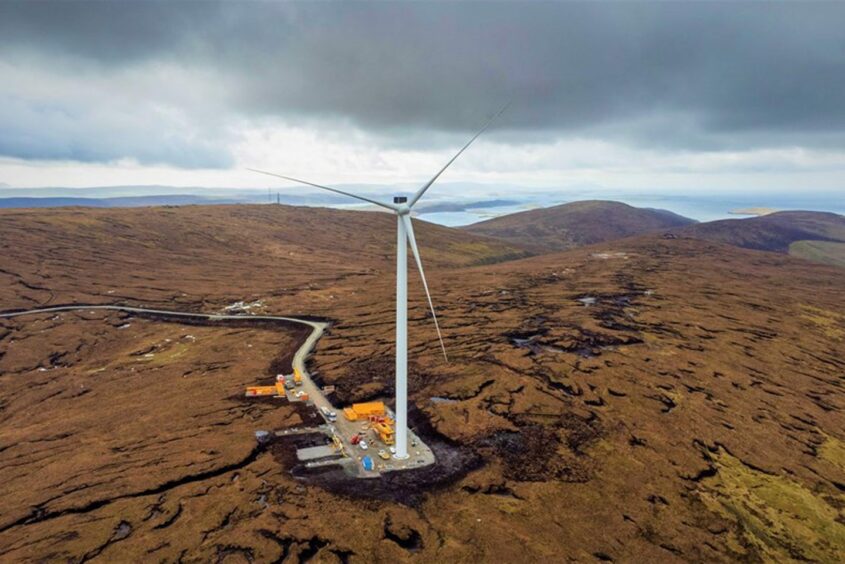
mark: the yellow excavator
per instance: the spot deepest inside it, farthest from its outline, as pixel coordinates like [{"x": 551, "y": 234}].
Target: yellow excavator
[{"x": 384, "y": 431}]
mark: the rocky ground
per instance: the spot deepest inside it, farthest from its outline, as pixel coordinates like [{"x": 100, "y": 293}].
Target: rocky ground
[{"x": 646, "y": 400}]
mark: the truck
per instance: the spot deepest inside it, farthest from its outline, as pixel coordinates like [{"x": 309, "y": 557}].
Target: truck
[
  {"x": 384, "y": 432},
  {"x": 331, "y": 416},
  {"x": 297, "y": 377}
]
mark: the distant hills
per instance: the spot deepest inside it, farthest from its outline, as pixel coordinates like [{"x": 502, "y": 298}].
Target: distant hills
[
  {"x": 132, "y": 196},
  {"x": 771, "y": 232},
  {"x": 817, "y": 236},
  {"x": 118, "y": 202},
  {"x": 438, "y": 207},
  {"x": 576, "y": 224}
]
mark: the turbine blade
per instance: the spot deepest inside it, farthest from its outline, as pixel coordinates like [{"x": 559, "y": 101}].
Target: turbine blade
[
  {"x": 335, "y": 190},
  {"x": 428, "y": 184},
  {"x": 409, "y": 227}
]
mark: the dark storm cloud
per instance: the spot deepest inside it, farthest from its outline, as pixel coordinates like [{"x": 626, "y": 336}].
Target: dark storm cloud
[{"x": 674, "y": 75}]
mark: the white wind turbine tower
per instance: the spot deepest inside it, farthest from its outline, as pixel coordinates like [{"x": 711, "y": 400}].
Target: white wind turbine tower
[{"x": 404, "y": 236}]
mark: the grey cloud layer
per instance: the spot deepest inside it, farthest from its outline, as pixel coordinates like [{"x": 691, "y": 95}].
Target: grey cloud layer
[{"x": 667, "y": 75}]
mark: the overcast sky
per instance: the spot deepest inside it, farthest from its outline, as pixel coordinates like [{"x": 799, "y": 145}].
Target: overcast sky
[{"x": 709, "y": 96}]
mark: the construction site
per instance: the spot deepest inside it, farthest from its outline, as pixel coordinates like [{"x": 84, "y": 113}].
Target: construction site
[{"x": 360, "y": 437}]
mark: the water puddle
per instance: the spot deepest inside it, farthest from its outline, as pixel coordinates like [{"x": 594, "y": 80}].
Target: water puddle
[{"x": 536, "y": 347}]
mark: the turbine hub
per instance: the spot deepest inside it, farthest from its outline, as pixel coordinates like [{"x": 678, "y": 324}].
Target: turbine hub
[{"x": 402, "y": 205}]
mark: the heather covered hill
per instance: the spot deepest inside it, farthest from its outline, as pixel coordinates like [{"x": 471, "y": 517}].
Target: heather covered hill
[
  {"x": 645, "y": 399},
  {"x": 576, "y": 224},
  {"x": 785, "y": 232},
  {"x": 50, "y": 256}
]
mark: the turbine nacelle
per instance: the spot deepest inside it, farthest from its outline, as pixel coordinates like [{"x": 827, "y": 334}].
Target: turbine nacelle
[{"x": 400, "y": 204}]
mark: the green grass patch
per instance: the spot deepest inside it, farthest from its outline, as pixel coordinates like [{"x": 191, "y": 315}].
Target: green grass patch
[
  {"x": 776, "y": 518},
  {"x": 827, "y": 252},
  {"x": 830, "y": 323}
]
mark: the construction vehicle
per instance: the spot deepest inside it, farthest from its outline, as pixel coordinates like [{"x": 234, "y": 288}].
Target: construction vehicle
[
  {"x": 383, "y": 454},
  {"x": 384, "y": 432},
  {"x": 358, "y": 411},
  {"x": 297, "y": 377}
]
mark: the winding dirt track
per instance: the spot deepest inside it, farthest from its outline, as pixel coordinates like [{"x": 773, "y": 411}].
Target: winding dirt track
[
  {"x": 298, "y": 360},
  {"x": 423, "y": 456}
]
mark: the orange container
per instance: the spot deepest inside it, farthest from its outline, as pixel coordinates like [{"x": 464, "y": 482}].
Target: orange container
[
  {"x": 260, "y": 390},
  {"x": 372, "y": 408}
]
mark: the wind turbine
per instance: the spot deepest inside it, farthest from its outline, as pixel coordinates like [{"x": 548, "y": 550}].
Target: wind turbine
[{"x": 404, "y": 236}]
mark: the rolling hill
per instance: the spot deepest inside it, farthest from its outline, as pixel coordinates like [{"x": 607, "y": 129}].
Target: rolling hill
[
  {"x": 642, "y": 400},
  {"x": 576, "y": 224},
  {"x": 817, "y": 236},
  {"x": 75, "y": 254}
]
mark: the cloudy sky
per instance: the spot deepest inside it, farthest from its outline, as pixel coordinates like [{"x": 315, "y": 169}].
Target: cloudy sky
[{"x": 671, "y": 96}]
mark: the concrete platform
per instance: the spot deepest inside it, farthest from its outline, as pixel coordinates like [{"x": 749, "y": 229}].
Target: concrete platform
[{"x": 315, "y": 452}]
